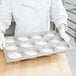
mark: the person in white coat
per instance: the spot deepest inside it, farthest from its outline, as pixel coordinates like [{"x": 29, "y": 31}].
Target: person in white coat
[{"x": 32, "y": 16}]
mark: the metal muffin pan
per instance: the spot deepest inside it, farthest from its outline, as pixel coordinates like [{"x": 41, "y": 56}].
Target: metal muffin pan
[{"x": 33, "y": 45}]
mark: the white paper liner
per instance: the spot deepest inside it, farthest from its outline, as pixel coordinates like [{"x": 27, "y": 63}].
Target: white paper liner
[
  {"x": 12, "y": 47},
  {"x": 41, "y": 43},
  {"x": 31, "y": 53},
  {"x": 10, "y": 41},
  {"x": 55, "y": 41},
  {"x": 46, "y": 50},
  {"x": 49, "y": 35},
  {"x": 26, "y": 45},
  {"x": 61, "y": 47},
  {"x": 14, "y": 55},
  {"x": 36, "y": 37},
  {"x": 23, "y": 38}
]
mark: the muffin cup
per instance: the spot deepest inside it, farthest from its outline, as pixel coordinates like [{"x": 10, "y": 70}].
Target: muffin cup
[
  {"x": 14, "y": 55},
  {"x": 61, "y": 47}
]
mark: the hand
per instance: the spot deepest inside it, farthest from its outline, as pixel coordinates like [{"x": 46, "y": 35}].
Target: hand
[
  {"x": 2, "y": 40},
  {"x": 63, "y": 34}
]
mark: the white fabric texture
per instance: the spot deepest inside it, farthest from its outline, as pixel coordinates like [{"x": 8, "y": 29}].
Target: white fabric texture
[{"x": 31, "y": 16}]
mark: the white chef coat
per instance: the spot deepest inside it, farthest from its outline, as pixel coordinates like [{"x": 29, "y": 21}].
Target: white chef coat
[{"x": 32, "y": 15}]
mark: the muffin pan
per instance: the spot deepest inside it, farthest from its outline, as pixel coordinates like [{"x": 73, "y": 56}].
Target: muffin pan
[{"x": 33, "y": 45}]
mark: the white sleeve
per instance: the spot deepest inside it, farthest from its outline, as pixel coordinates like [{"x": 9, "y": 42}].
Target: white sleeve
[
  {"x": 5, "y": 15},
  {"x": 58, "y": 12}
]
